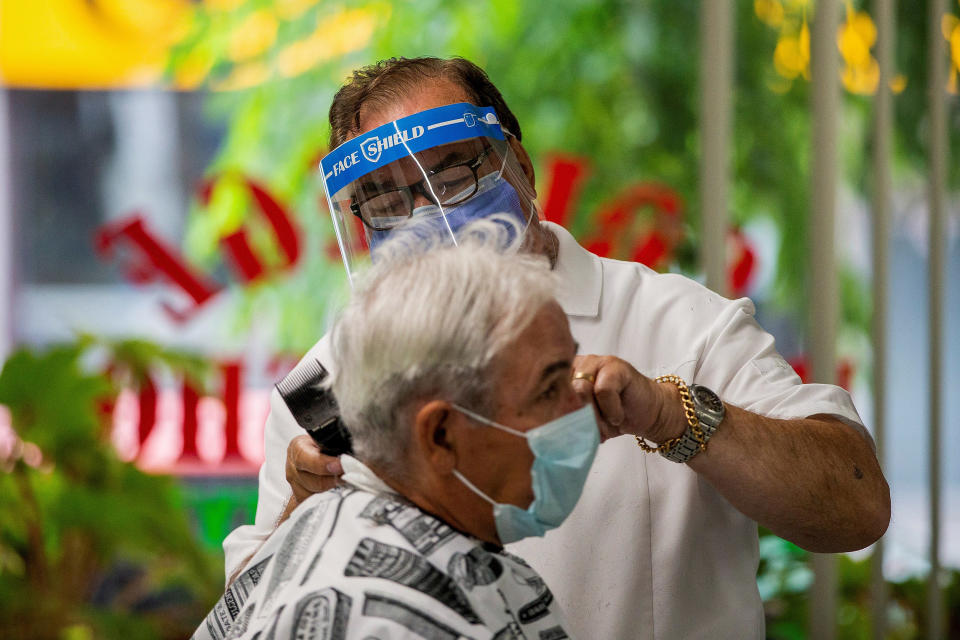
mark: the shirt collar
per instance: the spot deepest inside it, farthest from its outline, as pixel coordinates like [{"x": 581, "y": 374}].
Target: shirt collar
[
  {"x": 580, "y": 273},
  {"x": 362, "y": 477}
]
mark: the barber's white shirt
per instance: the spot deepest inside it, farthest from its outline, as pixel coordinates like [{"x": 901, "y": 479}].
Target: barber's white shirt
[{"x": 652, "y": 550}]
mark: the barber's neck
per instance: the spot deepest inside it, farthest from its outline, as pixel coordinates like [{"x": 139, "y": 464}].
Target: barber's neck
[{"x": 541, "y": 240}]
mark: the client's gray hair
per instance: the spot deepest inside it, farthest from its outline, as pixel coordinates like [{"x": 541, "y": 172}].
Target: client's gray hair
[{"x": 426, "y": 321}]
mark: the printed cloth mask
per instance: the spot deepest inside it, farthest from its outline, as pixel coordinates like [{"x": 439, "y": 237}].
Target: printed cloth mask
[
  {"x": 494, "y": 195},
  {"x": 563, "y": 451}
]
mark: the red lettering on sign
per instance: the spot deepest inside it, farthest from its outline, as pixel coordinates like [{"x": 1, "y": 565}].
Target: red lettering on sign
[
  {"x": 565, "y": 175},
  {"x": 742, "y": 263},
  {"x": 237, "y": 245},
  {"x": 155, "y": 259},
  {"x": 190, "y": 399},
  {"x": 231, "y": 401},
  {"x": 245, "y": 262},
  {"x": 198, "y": 452},
  {"x": 652, "y": 250},
  {"x": 844, "y": 375},
  {"x": 621, "y": 233},
  {"x": 147, "y": 399}
]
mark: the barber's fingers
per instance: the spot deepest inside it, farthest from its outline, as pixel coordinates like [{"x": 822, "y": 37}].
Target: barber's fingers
[
  {"x": 585, "y": 376},
  {"x": 600, "y": 380},
  {"x": 607, "y": 394},
  {"x": 308, "y": 469},
  {"x": 611, "y": 393}
]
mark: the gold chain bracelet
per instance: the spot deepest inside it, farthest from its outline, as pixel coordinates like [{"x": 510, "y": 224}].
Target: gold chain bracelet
[{"x": 689, "y": 412}]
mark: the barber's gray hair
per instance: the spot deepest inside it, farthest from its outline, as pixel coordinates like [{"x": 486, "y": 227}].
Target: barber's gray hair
[{"x": 427, "y": 321}]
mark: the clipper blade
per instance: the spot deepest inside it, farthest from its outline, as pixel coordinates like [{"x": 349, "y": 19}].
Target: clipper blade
[{"x": 314, "y": 407}]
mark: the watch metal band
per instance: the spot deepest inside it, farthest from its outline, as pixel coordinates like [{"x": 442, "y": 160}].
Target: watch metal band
[{"x": 710, "y": 412}]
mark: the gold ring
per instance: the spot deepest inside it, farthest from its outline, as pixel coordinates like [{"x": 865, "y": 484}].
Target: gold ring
[{"x": 582, "y": 375}]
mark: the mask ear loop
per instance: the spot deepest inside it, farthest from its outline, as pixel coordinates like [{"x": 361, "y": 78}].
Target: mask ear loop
[
  {"x": 473, "y": 487},
  {"x": 426, "y": 180},
  {"x": 482, "y": 420},
  {"x": 479, "y": 418}
]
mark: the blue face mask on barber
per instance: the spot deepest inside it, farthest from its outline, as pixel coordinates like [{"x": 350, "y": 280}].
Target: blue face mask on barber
[
  {"x": 494, "y": 195},
  {"x": 563, "y": 451}
]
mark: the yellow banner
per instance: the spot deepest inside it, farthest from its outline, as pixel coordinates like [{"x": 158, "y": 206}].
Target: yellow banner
[{"x": 88, "y": 44}]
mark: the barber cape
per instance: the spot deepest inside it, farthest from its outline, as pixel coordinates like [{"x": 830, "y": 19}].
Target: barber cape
[{"x": 360, "y": 561}]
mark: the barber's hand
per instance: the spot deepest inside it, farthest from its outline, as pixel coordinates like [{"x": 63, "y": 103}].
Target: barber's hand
[
  {"x": 309, "y": 470},
  {"x": 627, "y": 402}
]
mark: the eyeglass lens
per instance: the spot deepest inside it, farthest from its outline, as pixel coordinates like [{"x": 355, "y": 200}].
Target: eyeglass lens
[{"x": 450, "y": 186}]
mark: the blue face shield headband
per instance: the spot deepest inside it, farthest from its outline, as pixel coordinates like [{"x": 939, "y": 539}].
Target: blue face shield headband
[
  {"x": 438, "y": 169},
  {"x": 563, "y": 451}
]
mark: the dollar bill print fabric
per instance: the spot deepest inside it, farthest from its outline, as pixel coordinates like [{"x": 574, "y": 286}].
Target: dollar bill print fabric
[{"x": 362, "y": 562}]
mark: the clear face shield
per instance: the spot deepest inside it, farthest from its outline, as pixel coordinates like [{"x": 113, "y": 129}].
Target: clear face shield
[{"x": 438, "y": 169}]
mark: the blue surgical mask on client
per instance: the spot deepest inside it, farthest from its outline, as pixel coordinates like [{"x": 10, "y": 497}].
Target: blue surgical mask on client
[
  {"x": 563, "y": 451},
  {"x": 494, "y": 195}
]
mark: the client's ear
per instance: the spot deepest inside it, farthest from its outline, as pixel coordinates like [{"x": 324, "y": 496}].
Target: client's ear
[{"x": 433, "y": 436}]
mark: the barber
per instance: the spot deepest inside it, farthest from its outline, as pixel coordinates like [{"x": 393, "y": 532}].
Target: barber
[{"x": 718, "y": 432}]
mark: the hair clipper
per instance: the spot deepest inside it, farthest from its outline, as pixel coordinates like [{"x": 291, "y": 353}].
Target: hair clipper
[{"x": 314, "y": 408}]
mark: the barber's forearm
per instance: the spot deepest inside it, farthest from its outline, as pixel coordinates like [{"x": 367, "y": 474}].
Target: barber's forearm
[{"x": 813, "y": 481}]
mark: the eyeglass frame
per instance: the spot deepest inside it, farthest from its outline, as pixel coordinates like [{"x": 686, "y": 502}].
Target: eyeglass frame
[{"x": 474, "y": 166}]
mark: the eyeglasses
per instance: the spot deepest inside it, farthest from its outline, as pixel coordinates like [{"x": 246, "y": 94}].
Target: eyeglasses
[{"x": 448, "y": 186}]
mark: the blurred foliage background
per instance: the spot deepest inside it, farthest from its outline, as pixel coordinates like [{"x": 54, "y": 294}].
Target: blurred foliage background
[{"x": 90, "y": 546}]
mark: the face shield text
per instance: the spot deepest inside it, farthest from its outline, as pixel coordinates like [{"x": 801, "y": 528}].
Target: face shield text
[
  {"x": 373, "y": 146},
  {"x": 345, "y": 163}
]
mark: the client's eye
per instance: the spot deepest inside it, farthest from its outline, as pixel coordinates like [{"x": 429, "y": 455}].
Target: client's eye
[{"x": 551, "y": 392}]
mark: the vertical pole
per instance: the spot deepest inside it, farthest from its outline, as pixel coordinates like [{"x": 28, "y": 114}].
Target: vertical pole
[
  {"x": 6, "y": 233},
  {"x": 716, "y": 89},
  {"x": 823, "y": 276},
  {"x": 937, "y": 150},
  {"x": 882, "y": 132}
]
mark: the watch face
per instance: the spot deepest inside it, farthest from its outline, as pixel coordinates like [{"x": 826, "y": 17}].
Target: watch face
[{"x": 708, "y": 399}]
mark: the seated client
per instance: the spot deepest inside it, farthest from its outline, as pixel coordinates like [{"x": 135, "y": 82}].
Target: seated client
[{"x": 453, "y": 377}]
